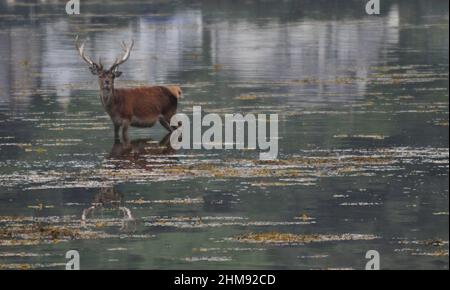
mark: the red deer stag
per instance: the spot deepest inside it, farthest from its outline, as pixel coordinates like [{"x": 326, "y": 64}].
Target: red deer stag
[{"x": 138, "y": 107}]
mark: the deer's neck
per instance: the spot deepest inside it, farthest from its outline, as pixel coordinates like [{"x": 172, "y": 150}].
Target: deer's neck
[{"x": 107, "y": 98}]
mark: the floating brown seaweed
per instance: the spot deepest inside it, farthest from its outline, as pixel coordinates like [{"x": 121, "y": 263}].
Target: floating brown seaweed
[{"x": 289, "y": 238}]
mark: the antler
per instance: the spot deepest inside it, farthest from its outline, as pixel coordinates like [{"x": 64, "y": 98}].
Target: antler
[
  {"x": 126, "y": 55},
  {"x": 80, "y": 49}
]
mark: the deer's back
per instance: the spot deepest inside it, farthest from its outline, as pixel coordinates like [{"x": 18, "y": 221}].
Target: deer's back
[{"x": 145, "y": 102}]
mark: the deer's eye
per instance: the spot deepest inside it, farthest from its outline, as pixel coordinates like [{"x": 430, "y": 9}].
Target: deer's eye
[{"x": 93, "y": 70}]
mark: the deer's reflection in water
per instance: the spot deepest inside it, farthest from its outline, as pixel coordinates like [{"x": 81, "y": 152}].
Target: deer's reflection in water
[
  {"x": 141, "y": 153},
  {"x": 109, "y": 200},
  {"x": 137, "y": 154}
]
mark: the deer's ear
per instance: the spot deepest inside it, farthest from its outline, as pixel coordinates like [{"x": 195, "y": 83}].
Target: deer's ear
[
  {"x": 94, "y": 69},
  {"x": 117, "y": 73}
]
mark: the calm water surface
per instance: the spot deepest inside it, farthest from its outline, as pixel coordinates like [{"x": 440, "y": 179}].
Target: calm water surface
[{"x": 363, "y": 151}]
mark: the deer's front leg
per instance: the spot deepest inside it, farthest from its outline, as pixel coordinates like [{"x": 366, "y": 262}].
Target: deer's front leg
[
  {"x": 116, "y": 133},
  {"x": 125, "y": 125}
]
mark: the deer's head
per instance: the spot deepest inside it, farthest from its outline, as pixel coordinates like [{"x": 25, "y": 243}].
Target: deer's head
[{"x": 106, "y": 77}]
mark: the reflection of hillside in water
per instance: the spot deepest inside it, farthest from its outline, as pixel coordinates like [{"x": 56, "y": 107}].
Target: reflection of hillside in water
[{"x": 42, "y": 58}]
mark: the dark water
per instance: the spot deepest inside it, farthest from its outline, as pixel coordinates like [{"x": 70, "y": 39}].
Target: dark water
[{"x": 363, "y": 151}]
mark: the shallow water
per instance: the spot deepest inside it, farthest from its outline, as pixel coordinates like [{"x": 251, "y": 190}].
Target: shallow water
[{"x": 363, "y": 151}]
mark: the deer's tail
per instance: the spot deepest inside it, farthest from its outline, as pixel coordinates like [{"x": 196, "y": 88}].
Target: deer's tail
[{"x": 175, "y": 91}]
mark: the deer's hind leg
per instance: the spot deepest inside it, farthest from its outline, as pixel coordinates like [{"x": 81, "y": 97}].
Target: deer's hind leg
[
  {"x": 168, "y": 117},
  {"x": 165, "y": 123}
]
